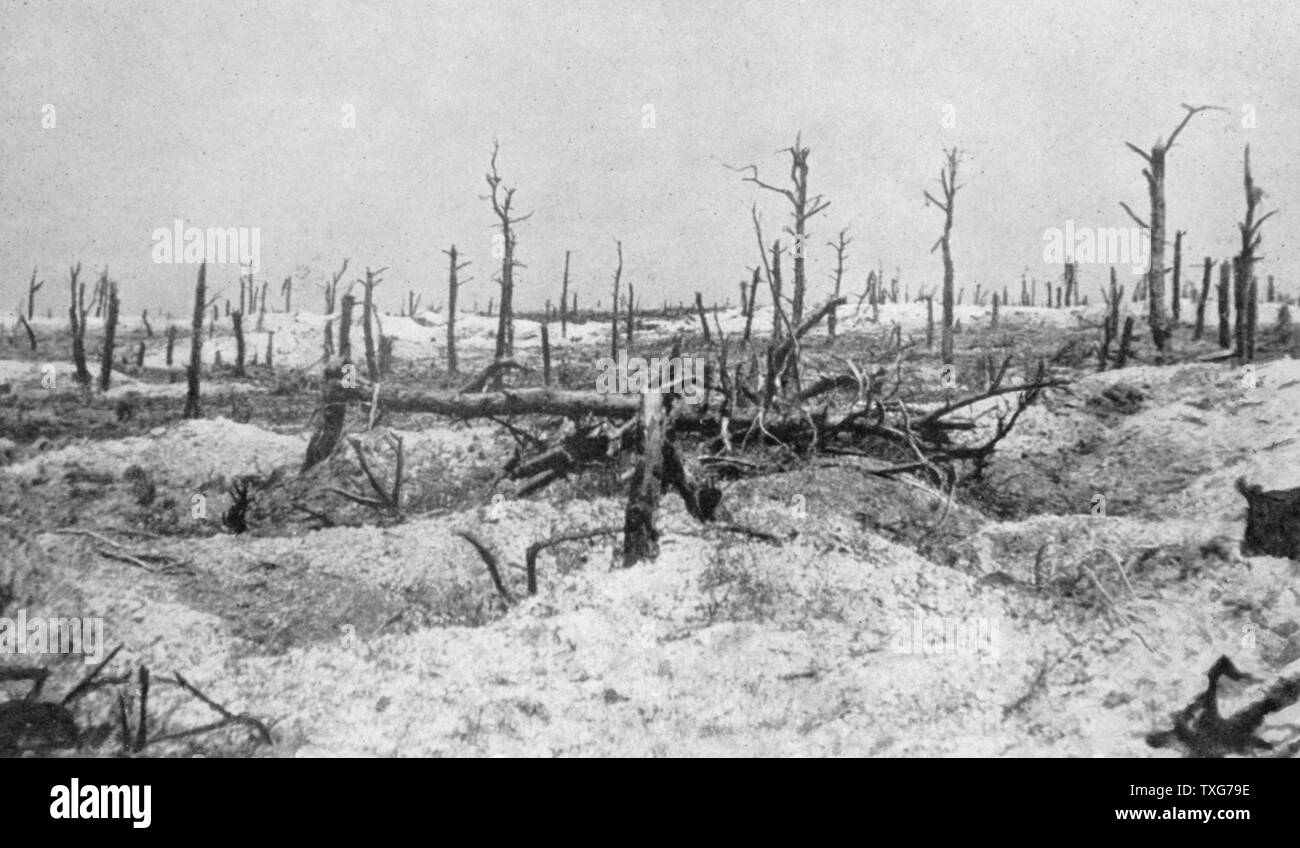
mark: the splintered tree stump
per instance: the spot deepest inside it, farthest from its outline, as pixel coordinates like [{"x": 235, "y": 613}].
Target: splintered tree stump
[
  {"x": 640, "y": 535},
  {"x": 1272, "y": 520},
  {"x": 334, "y": 410}
]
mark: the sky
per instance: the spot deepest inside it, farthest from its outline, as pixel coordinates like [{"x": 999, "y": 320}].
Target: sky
[{"x": 616, "y": 120}]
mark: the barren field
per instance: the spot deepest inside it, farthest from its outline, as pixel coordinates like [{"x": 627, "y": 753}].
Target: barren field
[{"x": 1064, "y": 595}]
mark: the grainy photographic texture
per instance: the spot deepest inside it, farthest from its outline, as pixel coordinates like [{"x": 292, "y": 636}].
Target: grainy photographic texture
[{"x": 779, "y": 378}]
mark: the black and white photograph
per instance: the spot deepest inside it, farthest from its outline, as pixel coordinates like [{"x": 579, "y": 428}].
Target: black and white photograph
[{"x": 649, "y": 379}]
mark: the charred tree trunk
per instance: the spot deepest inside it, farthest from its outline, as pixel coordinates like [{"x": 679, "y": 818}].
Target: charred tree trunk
[
  {"x": 345, "y": 327},
  {"x": 640, "y": 533},
  {"x": 1225, "y": 336},
  {"x": 192, "y": 407},
  {"x": 948, "y": 182},
  {"x": 453, "y": 288},
  {"x": 564, "y": 299},
  {"x": 237, "y": 318},
  {"x": 749, "y": 308},
  {"x": 1176, "y": 293},
  {"x": 110, "y": 333},
  {"x": 1205, "y": 295},
  {"x": 613, "y": 326}
]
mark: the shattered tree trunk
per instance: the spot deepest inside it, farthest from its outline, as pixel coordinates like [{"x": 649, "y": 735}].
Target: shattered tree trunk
[
  {"x": 1225, "y": 335},
  {"x": 237, "y": 318},
  {"x": 110, "y": 333},
  {"x": 613, "y": 325},
  {"x": 453, "y": 288},
  {"x": 640, "y": 535},
  {"x": 564, "y": 298},
  {"x": 749, "y": 309},
  {"x": 345, "y": 327},
  {"x": 704, "y": 322},
  {"x": 1176, "y": 293},
  {"x": 192, "y": 408},
  {"x": 1200, "y": 304}
]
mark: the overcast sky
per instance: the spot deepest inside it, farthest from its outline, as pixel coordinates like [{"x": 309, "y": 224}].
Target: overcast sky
[{"x": 231, "y": 114}]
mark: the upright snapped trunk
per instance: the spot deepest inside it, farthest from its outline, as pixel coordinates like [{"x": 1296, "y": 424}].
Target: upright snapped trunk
[
  {"x": 110, "y": 333},
  {"x": 192, "y": 408}
]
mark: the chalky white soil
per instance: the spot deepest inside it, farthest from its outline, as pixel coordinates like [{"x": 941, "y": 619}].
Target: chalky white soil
[{"x": 1088, "y": 630}]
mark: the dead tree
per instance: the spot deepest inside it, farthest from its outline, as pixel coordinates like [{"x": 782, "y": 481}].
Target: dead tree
[
  {"x": 704, "y": 323},
  {"x": 171, "y": 343},
  {"x": 412, "y": 302},
  {"x": 564, "y": 299},
  {"x": 1176, "y": 293},
  {"x": 346, "y": 305},
  {"x": 1250, "y": 240},
  {"x": 803, "y": 208},
  {"x": 613, "y": 327},
  {"x": 237, "y": 318},
  {"x": 270, "y": 351},
  {"x": 840, "y": 246},
  {"x": 144, "y": 319},
  {"x": 32, "y": 288},
  {"x": 948, "y": 183},
  {"x": 453, "y": 289},
  {"x": 367, "y": 314},
  {"x": 192, "y": 408},
  {"x": 749, "y": 308},
  {"x": 110, "y": 333},
  {"x": 77, "y": 313},
  {"x": 286, "y": 292},
  {"x": 631, "y": 314},
  {"x": 1154, "y": 172},
  {"x": 261, "y": 307},
  {"x": 1200, "y": 304},
  {"x": 546, "y": 353},
  {"x": 640, "y": 535},
  {"x": 331, "y": 292},
  {"x": 1225, "y": 336},
  {"x": 502, "y": 198}
]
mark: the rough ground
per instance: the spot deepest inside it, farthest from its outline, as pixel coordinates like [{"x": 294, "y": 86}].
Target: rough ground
[{"x": 387, "y": 639}]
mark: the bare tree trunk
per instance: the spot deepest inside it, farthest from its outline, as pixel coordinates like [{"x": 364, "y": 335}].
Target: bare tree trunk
[
  {"x": 749, "y": 308},
  {"x": 640, "y": 535},
  {"x": 1176, "y": 292},
  {"x": 345, "y": 327},
  {"x": 171, "y": 343},
  {"x": 1252, "y": 318},
  {"x": 948, "y": 182},
  {"x": 31, "y": 336},
  {"x": 631, "y": 314},
  {"x": 367, "y": 313},
  {"x": 237, "y": 318},
  {"x": 929, "y": 321},
  {"x": 110, "y": 332},
  {"x": 192, "y": 407},
  {"x": 704, "y": 324},
  {"x": 1200, "y": 304},
  {"x": 1126, "y": 339},
  {"x": 1158, "y": 318},
  {"x": 1225, "y": 336},
  {"x": 1239, "y": 284},
  {"x": 32, "y": 288},
  {"x": 270, "y": 351},
  {"x": 453, "y": 288},
  {"x": 502, "y": 198},
  {"x": 841, "y": 246},
  {"x": 77, "y": 316},
  {"x": 546, "y": 354},
  {"x": 564, "y": 299},
  {"x": 613, "y": 327}
]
